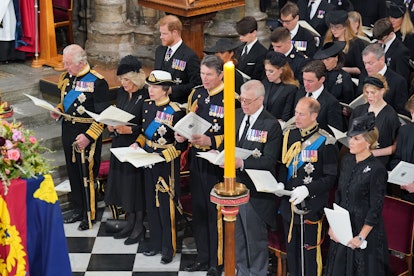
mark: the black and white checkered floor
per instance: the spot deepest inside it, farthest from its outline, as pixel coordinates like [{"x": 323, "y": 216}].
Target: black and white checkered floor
[{"x": 95, "y": 252}]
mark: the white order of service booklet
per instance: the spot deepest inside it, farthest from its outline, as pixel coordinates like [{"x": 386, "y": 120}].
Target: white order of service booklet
[
  {"x": 191, "y": 124},
  {"x": 265, "y": 182},
  {"x": 217, "y": 158},
  {"x": 137, "y": 157},
  {"x": 112, "y": 116},
  {"x": 402, "y": 174},
  {"x": 340, "y": 223},
  {"x": 44, "y": 104}
]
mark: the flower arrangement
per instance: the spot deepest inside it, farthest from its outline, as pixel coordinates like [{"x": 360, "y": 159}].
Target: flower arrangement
[{"x": 20, "y": 154}]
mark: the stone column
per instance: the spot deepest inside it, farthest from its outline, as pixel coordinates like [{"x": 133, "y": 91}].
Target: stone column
[
  {"x": 223, "y": 25},
  {"x": 109, "y": 35},
  {"x": 252, "y": 8}
]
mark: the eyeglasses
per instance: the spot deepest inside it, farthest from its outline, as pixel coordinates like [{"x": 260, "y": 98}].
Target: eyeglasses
[{"x": 247, "y": 101}]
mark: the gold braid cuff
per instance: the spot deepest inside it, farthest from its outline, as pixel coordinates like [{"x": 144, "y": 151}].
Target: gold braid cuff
[
  {"x": 170, "y": 153},
  {"x": 95, "y": 130},
  {"x": 141, "y": 140}
]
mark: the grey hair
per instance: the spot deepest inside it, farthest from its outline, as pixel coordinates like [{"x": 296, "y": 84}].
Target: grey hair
[
  {"x": 375, "y": 49},
  {"x": 77, "y": 53},
  {"x": 255, "y": 85},
  {"x": 213, "y": 62}
]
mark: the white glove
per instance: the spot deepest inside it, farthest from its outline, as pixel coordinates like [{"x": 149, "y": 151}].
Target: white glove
[
  {"x": 278, "y": 189},
  {"x": 299, "y": 194}
]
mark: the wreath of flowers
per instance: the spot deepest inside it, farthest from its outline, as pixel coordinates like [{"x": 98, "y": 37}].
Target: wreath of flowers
[{"x": 20, "y": 154}]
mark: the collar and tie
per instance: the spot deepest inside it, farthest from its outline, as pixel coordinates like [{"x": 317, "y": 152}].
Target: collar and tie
[
  {"x": 309, "y": 94},
  {"x": 168, "y": 54},
  {"x": 244, "y": 53},
  {"x": 246, "y": 128},
  {"x": 309, "y": 9}
]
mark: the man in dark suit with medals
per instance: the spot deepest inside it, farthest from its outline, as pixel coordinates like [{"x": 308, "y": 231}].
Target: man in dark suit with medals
[
  {"x": 81, "y": 89},
  {"x": 314, "y": 12},
  {"x": 252, "y": 53},
  {"x": 176, "y": 57},
  {"x": 302, "y": 38},
  {"x": 310, "y": 159},
  {"x": 374, "y": 60},
  {"x": 207, "y": 102},
  {"x": 330, "y": 112},
  {"x": 282, "y": 43},
  {"x": 259, "y": 131}
]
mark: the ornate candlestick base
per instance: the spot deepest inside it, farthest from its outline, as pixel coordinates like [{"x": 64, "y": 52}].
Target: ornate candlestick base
[
  {"x": 230, "y": 195},
  {"x": 6, "y": 109}
]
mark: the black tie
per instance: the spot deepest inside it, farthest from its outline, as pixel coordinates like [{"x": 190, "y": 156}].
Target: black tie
[
  {"x": 309, "y": 10},
  {"x": 309, "y": 94},
  {"x": 244, "y": 53},
  {"x": 246, "y": 128}
]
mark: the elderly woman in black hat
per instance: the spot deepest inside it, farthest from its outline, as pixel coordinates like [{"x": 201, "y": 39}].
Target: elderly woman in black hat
[
  {"x": 361, "y": 190},
  {"x": 125, "y": 187},
  {"x": 280, "y": 86},
  {"x": 225, "y": 50},
  {"x": 338, "y": 82},
  {"x": 340, "y": 30},
  {"x": 161, "y": 179},
  {"x": 386, "y": 118}
]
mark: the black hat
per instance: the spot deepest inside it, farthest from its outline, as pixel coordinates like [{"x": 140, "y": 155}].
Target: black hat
[
  {"x": 373, "y": 81},
  {"x": 222, "y": 45},
  {"x": 336, "y": 17},
  {"x": 362, "y": 124},
  {"x": 329, "y": 49},
  {"x": 128, "y": 64},
  {"x": 160, "y": 77},
  {"x": 276, "y": 58},
  {"x": 396, "y": 11}
]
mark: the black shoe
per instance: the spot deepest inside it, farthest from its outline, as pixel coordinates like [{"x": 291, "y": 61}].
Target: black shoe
[
  {"x": 124, "y": 233},
  {"x": 150, "y": 253},
  {"x": 196, "y": 266},
  {"x": 139, "y": 238},
  {"x": 74, "y": 217},
  {"x": 84, "y": 225},
  {"x": 214, "y": 271},
  {"x": 166, "y": 259}
]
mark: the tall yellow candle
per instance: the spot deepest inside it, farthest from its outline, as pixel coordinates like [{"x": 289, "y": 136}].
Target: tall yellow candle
[{"x": 229, "y": 121}]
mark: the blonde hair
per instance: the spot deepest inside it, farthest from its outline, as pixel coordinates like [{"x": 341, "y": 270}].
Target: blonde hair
[
  {"x": 138, "y": 78},
  {"x": 356, "y": 17},
  {"x": 407, "y": 26},
  {"x": 349, "y": 35},
  {"x": 372, "y": 138}
]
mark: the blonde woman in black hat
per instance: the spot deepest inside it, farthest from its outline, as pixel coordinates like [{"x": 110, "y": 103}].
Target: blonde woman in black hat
[
  {"x": 161, "y": 179},
  {"x": 125, "y": 187},
  {"x": 340, "y": 30},
  {"x": 280, "y": 86},
  {"x": 386, "y": 118},
  {"x": 338, "y": 82},
  {"x": 361, "y": 190},
  {"x": 402, "y": 25}
]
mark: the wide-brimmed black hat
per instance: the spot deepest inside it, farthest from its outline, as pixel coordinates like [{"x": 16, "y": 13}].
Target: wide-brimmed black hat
[
  {"x": 276, "y": 58},
  {"x": 329, "y": 49},
  {"x": 396, "y": 11},
  {"x": 128, "y": 64},
  {"x": 336, "y": 17},
  {"x": 362, "y": 124},
  {"x": 222, "y": 45},
  {"x": 159, "y": 77}
]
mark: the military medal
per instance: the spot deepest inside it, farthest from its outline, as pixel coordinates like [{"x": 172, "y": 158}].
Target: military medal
[
  {"x": 207, "y": 99},
  {"x": 256, "y": 153},
  {"x": 309, "y": 156},
  {"x": 82, "y": 98},
  {"x": 162, "y": 141},
  {"x": 308, "y": 179},
  {"x": 216, "y": 127},
  {"x": 321, "y": 14},
  {"x": 309, "y": 168}
]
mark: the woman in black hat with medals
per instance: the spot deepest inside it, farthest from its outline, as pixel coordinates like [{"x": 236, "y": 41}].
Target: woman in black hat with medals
[
  {"x": 361, "y": 190},
  {"x": 340, "y": 30},
  {"x": 280, "y": 86},
  {"x": 161, "y": 179},
  {"x": 125, "y": 187},
  {"x": 386, "y": 118},
  {"x": 338, "y": 82}
]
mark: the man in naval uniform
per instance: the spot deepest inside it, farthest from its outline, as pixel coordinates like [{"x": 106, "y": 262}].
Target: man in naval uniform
[
  {"x": 175, "y": 57},
  {"x": 259, "y": 131},
  {"x": 309, "y": 170},
  {"x": 207, "y": 102},
  {"x": 81, "y": 89}
]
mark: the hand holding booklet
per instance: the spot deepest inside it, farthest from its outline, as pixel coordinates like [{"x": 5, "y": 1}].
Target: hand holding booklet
[
  {"x": 402, "y": 174},
  {"x": 265, "y": 182},
  {"x": 217, "y": 158},
  {"x": 112, "y": 116},
  {"x": 191, "y": 124},
  {"x": 44, "y": 104},
  {"x": 340, "y": 224},
  {"x": 137, "y": 157}
]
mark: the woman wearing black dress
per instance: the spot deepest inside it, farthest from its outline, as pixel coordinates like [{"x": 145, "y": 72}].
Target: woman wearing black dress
[
  {"x": 125, "y": 187},
  {"x": 361, "y": 190},
  {"x": 280, "y": 86},
  {"x": 161, "y": 179},
  {"x": 386, "y": 118}
]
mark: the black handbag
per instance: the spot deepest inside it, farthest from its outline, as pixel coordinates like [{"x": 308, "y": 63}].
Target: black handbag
[{"x": 114, "y": 225}]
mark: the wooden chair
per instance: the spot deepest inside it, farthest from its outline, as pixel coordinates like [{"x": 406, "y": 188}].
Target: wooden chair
[
  {"x": 399, "y": 225},
  {"x": 62, "y": 13}
]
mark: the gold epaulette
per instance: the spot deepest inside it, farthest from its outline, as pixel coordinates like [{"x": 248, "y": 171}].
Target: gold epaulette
[
  {"x": 197, "y": 86},
  {"x": 95, "y": 73},
  {"x": 288, "y": 127},
  {"x": 330, "y": 140},
  {"x": 175, "y": 106},
  {"x": 61, "y": 78}
]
